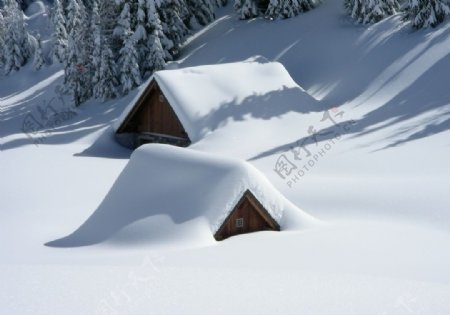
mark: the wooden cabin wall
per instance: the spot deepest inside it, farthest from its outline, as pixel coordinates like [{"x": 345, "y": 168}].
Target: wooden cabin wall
[
  {"x": 253, "y": 221},
  {"x": 156, "y": 115}
]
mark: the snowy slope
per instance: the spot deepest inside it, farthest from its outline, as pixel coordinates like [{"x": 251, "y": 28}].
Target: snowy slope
[{"x": 382, "y": 187}]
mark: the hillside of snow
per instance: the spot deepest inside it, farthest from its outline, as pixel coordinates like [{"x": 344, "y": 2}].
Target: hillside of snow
[{"x": 370, "y": 162}]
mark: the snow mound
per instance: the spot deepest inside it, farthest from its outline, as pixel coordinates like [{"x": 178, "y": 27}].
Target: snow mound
[
  {"x": 205, "y": 97},
  {"x": 185, "y": 185}
]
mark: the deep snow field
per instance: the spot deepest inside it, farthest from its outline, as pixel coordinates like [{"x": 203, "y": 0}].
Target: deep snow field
[{"x": 377, "y": 200}]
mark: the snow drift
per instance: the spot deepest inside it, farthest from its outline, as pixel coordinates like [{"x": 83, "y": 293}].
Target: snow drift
[{"x": 184, "y": 185}]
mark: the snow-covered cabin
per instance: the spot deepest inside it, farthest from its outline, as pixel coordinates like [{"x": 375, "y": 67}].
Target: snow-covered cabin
[
  {"x": 182, "y": 192},
  {"x": 181, "y": 106},
  {"x": 247, "y": 215}
]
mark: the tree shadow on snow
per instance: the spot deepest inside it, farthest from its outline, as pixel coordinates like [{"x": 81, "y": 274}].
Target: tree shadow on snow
[
  {"x": 266, "y": 106},
  {"x": 42, "y": 115},
  {"x": 411, "y": 81}
]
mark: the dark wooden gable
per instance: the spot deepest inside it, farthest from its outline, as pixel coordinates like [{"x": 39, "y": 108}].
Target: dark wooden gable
[
  {"x": 246, "y": 217},
  {"x": 153, "y": 119}
]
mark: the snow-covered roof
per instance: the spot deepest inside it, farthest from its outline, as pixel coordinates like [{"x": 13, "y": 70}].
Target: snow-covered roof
[
  {"x": 204, "y": 97},
  {"x": 183, "y": 184}
]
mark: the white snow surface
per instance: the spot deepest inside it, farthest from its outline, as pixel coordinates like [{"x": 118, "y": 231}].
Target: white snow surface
[{"x": 380, "y": 191}]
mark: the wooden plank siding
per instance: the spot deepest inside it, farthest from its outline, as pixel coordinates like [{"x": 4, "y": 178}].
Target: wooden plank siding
[
  {"x": 255, "y": 218},
  {"x": 157, "y": 116},
  {"x": 153, "y": 114}
]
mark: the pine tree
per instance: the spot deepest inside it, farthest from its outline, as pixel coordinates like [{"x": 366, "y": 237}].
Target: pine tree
[
  {"x": 133, "y": 8},
  {"x": 356, "y": 9},
  {"x": 38, "y": 56},
  {"x": 2, "y": 40},
  {"x": 307, "y": 5},
  {"x": 246, "y": 9},
  {"x": 141, "y": 36},
  {"x": 156, "y": 59},
  {"x": 76, "y": 70},
  {"x": 96, "y": 57},
  {"x": 283, "y": 9},
  {"x": 130, "y": 76},
  {"x": 426, "y": 13},
  {"x": 380, "y": 9},
  {"x": 273, "y": 9},
  {"x": 141, "y": 20},
  {"x": 104, "y": 70},
  {"x": 201, "y": 10},
  {"x": 17, "y": 47},
  {"x": 171, "y": 13},
  {"x": 154, "y": 23},
  {"x": 106, "y": 86},
  {"x": 109, "y": 15},
  {"x": 87, "y": 47},
  {"x": 123, "y": 23},
  {"x": 59, "y": 34},
  {"x": 220, "y": 3},
  {"x": 370, "y": 11},
  {"x": 72, "y": 15}
]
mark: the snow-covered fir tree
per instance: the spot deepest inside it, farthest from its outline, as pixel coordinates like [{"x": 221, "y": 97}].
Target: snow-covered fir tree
[
  {"x": 131, "y": 40},
  {"x": 154, "y": 23},
  {"x": 307, "y": 5},
  {"x": 104, "y": 78},
  {"x": 17, "y": 47},
  {"x": 96, "y": 56},
  {"x": 370, "y": 11},
  {"x": 72, "y": 15},
  {"x": 109, "y": 13},
  {"x": 426, "y": 13},
  {"x": 171, "y": 13},
  {"x": 382, "y": 9},
  {"x": 157, "y": 55},
  {"x": 106, "y": 86},
  {"x": 220, "y": 3},
  {"x": 246, "y": 9},
  {"x": 38, "y": 55},
  {"x": 60, "y": 33},
  {"x": 76, "y": 78},
  {"x": 141, "y": 36},
  {"x": 2, "y": 39},
  {"x": 354, "y": 8},
  {"x": 87, "y": 45},
  {"x": 130, "y": 75},
  {"x": 123, "y": 22},
  {"x": 201, "y": 10},
  {"x": 283, "y": 9},
  {"x": 274, "y": 9}
]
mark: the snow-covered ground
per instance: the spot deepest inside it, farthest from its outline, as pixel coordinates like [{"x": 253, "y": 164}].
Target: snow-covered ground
[{"x": 380, "y": 190}]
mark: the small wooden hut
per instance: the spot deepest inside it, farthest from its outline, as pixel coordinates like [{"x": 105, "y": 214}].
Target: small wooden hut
[
  {"x": 182, "y": 106},
  {"x": 247, "y": 216},
  {"x": 153, "y": 120}
]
